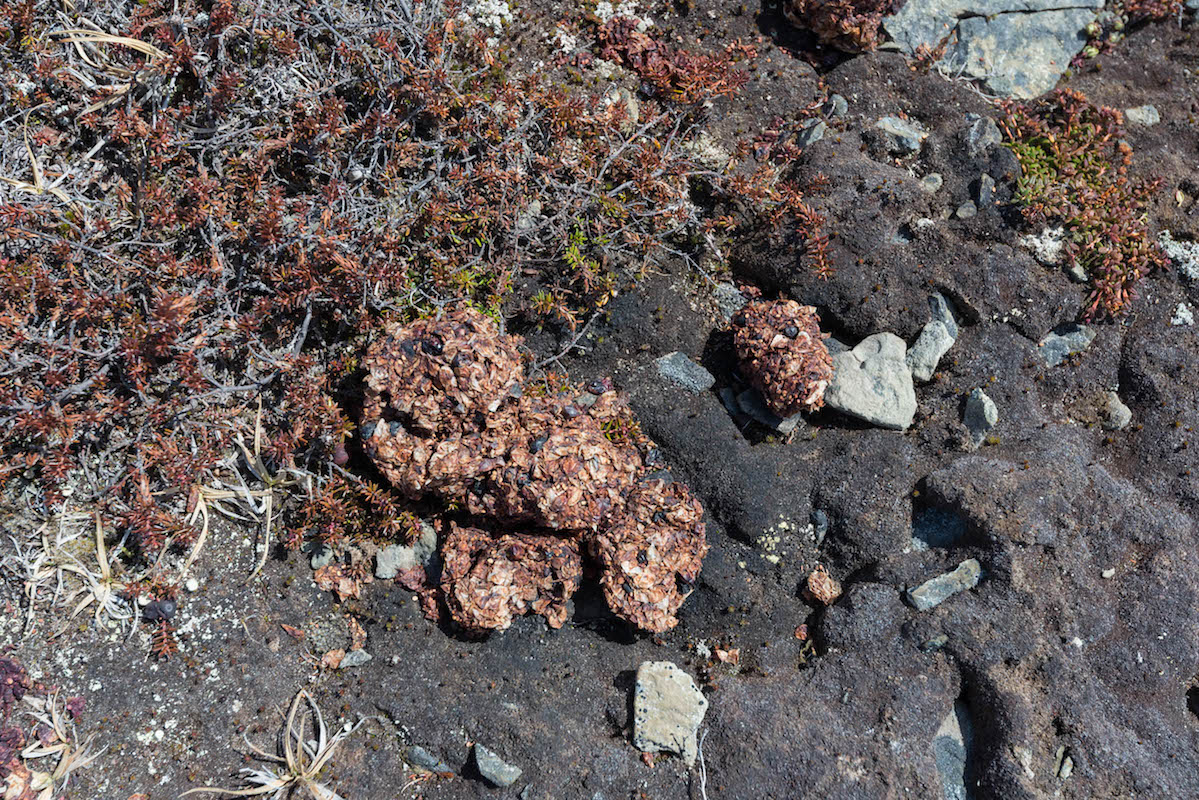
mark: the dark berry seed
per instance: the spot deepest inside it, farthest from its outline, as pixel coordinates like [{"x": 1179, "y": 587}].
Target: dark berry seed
[
  {"x": 538, "y": 443},
  {"x": 571, "y": 412},
  {"x": 432, "y": 347},
  {"x": 659, "y": 517},
  {"x": 791, "y": 331}
]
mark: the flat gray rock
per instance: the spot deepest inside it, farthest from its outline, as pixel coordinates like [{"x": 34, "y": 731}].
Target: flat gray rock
[
  {"x": 1016, "y": 48},
  {"x": 494, "y": 768},
  {"x": 1142, "y": 115},
  {"x": 1116, "y": 415},
  {"x": 681, "y": 370},
  {"x": 934, "y": 341},
  {"x": 936, "y": 591},
  {"x": 980, "y": 416},
  {"x": 872, "y": 382},
  {"x": 903, "y": 136},
  {"x": 667, "y": 710},
  {"x": 1065, "y": 340}
]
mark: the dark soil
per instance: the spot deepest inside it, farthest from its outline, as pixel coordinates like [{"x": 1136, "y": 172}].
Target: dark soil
[{"x": 1046, "y": 658}]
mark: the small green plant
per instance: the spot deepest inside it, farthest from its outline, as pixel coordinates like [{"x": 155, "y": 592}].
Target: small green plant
[{"x": 1074, "y": 166}]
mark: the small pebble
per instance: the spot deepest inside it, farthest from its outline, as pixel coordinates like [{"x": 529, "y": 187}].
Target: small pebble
[{"x": 192, "y": 585}]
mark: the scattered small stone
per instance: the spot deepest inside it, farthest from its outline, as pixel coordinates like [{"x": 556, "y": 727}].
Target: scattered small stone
[
  {"x": 421, "y": 758},
  {"x": 1183, "y": 254},
  {"x": 494, "y": 768},
  {"x": 935, "y": 591},
  {"x": 934, "y": 644},
  {"x": 942, "y": 311},
  {"x": 949, "y": 751},
  {"x": 1048, "y": 246},
  {"x": 1065, "y": 340},
  {"x": 819, "y": 521},
  {"x": 981, "y": 134},
  {"x": 837, "y": 106},
  {"x": 1182, "y": 315},
  {"x": 1077, "y": 273},
  {"x": 984, "y": 190},
  {"x": 1109, "y": 573},
  {"x": 322, "y": 556},
  {"x": 681, "y": 370},
  {"x": 980, "y": 416},
  {"x": 1142, "y": 115},
  {"x": 728, "y": 299},
  {"x": 872, "y": 382},
  {"x": 934, "y": 342},
  {"x": 932, "y": 182},
  {"x": 667, "y": 710},
  {"x": 1116, "y": 415},
  {"x": 904, "y": 137},
  {"x": 966, "y": 210},
  {"x": 811, "y": 133},
  {"x": 354, "y": 658},
  {"x": 396, "y": 558},
  {"x": 1063, "y": 764},
  {"x": 750, "y": 402},
  {"x": 192, "y": 585}
]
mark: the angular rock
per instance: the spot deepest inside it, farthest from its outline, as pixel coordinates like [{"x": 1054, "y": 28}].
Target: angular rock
[
  {"x": 396, "y": 558},
  {"x": 981, "y": 134},
  {"x": 1116, "y": 415},
  {"x": 984, "y": 190},
  {"x": 935, "y": 591},
  {"x": 494, "y": 768},
  {"x": 943, "y": 312},
  {"x": 932, "y": 182},
  {"x": 421, "y": 758},
  {"x": 667, "y": 710},
  {"x": 1065, "y": 340},
  {"x": 810, "y": 134},
  {"x": 354, "y": 658},
  {"x": 750, "y": 402},
  {"x": 1142, "y": 115},
  {"x": 837, "y": 106},
  {"x": 1017, "y": 48},
  {"x": 872, "y": 382},
  {"x": 934, "y": 341},
  {"x": 981, "y": 416},
  {"x": 966, "y": 210},
  {"x": 903, "y": 137},
  {"x": 680, "y": 369}
]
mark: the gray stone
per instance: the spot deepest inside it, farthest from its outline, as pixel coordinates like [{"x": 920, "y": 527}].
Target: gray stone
[
  {"x": 935, "y": 591},
  {"x": 904, "y": 137},
  {"x": 981, "y": 134},
  {"x": 667, "y": 710},
  {"x": 837, "y": 106},
  {"x": 728, "y": 299},
  {"x": 951, "y": 744},
  {"x": 811, "y": 133},
  {"x": 395, "y": 558},
  {"x": 1143, "y": 115},
  {"x": 980, "y": 416},
  {"x": 1116, "y": 415},
  {"x": 934, "y": 341},
  {"x": 1076, "y": 273},
  {"x": 1184, "y": 255},
  {"x": 984, "y": 190},
  {"x": 873, "y": 383},
  {"x": 966, "y": 210},
  {"x": 932, "y": 182},
  {"x": 942, "y": 311},
  {"x": 680, "y": 369},
  {"x": 1065, "y": 340},
  {"x": 354, "y": 658},
  {"x": 494, "y": 768},
  {"x": 1016, "y": 48},
  {"x": 421, "y": 758},
  {"x": 751, "y": 403},
  {"x": 322, "y": 556}
]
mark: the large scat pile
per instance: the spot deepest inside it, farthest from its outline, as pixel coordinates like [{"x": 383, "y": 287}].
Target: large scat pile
[
  {"x": 783, "y": 354},
  {"x": 447, "y": 415}
]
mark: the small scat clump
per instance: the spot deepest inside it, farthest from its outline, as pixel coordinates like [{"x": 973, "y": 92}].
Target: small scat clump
[
  {"x": 852, "y": 26},
  {"x": 821, "y": 587},
  {"x": 489, "y": 580},
  {"x": 783, "y": 354},
  {"x": 651, "y": 557},
  {"x": 566, "y": 464}
]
